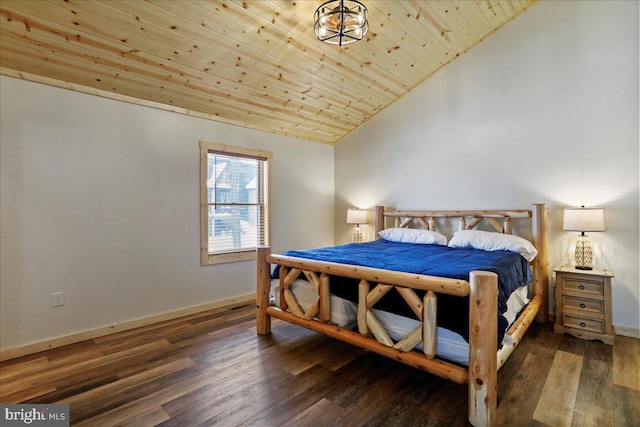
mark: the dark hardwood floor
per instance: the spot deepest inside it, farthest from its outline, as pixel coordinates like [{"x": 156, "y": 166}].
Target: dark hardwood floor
[{"x": 212, "y": 369}]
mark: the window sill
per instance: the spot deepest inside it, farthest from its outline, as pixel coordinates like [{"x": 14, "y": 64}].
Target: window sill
[{"x": 209, "y": 259}]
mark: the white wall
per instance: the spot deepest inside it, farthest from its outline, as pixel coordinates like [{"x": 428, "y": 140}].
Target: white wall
[
  {"x": 100, "y": 199},
  {"x": 544, "y": 110}
]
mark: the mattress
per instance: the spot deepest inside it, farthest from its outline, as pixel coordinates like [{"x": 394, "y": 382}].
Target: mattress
[{"x": 451, "y": 345}]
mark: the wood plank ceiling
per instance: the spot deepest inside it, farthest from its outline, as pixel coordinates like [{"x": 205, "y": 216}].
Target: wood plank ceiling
[{"x": 253, "y": 63}]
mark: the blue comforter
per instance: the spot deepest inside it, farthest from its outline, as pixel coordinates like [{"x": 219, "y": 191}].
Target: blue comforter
[{"x": 512, "y": 269}]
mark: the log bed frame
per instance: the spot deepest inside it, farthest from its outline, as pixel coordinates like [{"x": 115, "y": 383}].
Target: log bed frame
[{"x": 481, "y": 375}]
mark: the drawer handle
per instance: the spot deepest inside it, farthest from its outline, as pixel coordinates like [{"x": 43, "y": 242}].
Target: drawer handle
[
  {"x": 583, "y": 325},
  {"x": 582, "y": 305},
  {"x": 581, "y": 287}
]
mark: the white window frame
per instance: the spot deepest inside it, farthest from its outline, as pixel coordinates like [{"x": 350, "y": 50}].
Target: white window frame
[{"x": 206, "y": 257}]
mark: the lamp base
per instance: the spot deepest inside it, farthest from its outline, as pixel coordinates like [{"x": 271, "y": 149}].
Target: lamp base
[
  {"x": 357, "y": 235},
  {"x": 583, "y": 253}
]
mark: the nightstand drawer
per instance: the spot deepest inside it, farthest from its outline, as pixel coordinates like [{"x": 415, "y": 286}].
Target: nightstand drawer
[
  {"x": 583, "y": 307},
  {"x": 584, "y": 323},
  {"x": 581, "y": 287}
]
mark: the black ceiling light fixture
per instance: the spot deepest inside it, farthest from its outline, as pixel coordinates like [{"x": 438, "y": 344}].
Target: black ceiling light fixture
[{"x": 341, "y": 22}]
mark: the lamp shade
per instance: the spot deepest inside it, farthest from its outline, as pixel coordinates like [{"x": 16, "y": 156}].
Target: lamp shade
[
  {"x": 583, "y": 219},
  {"x": 356, "y": 216}
]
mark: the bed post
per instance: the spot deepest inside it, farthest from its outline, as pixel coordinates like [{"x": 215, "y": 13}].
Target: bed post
[
  {"x": 483, "y": 342},
  {"x": 379, "y": 220},
  {"x": 539, "y": 230},
  {"x": 263, "y": 320}
]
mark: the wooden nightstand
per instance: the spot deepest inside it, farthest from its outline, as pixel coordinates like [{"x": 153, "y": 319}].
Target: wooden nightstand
[{"x": 583, "y": 303}]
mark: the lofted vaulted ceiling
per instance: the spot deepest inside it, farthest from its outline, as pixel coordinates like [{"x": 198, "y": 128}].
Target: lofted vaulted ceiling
[{"x": 251, "y": 63}]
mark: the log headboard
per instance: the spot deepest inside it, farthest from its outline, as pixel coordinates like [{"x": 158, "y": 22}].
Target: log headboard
[{"x": 500, "y": 220}]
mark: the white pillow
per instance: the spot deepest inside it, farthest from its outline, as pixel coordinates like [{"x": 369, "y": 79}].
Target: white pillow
[
  {"x": 490, "y": 241},
  {"x": 413, "y": 235}
]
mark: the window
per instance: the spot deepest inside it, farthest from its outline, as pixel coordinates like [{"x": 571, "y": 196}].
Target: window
[{"x": 234, "y": 202}]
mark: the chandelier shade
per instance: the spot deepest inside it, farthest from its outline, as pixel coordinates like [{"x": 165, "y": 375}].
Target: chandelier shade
[{"x": 341, "y": 22}]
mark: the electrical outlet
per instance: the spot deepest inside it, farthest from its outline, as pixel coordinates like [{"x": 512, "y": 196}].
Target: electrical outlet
[{"x": 57, "y": 299}]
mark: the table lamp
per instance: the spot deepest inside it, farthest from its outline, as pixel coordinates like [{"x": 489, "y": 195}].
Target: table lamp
[
  {"x": 357, "y": 217},
  {"x": 583, "y": 219}
]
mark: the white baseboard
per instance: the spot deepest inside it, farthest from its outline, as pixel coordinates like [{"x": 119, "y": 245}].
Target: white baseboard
[
  {"x": 12, "y": 353},
  {"x": 627, "y": 331}
]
